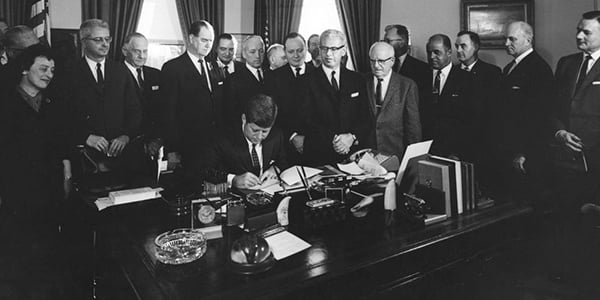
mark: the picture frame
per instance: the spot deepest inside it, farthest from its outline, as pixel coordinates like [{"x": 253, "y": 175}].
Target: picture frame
[
  {"x": 488, "y": 18},
  {"x": 240, "y": 37}
]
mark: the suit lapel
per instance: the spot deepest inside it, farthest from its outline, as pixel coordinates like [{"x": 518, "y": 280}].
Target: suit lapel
[
  {"x": 393, "y": 88},
  {"x": 89, "y": 77},
  {"x": 589, "y": 78},
  {"x": 371, "y": 94},
  {"x": 326, "y": 85},
  {"x": 450, "y": 82}
]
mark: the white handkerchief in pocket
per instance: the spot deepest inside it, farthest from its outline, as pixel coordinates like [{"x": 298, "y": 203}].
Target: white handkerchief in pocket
[
  {"x": 155, "y": 87},
  {"x": 354, "y": 95},
  {"x": 595, "y": 82}
]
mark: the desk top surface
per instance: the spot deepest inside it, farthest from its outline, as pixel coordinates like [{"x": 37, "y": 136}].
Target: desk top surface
[{"x": 336, "y": 250}]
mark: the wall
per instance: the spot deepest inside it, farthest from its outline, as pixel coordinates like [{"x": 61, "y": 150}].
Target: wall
[
  {"x": 555, "y": 22},
  {"x": 65, "y": 14},
  {"x": 239, "y": 16}
]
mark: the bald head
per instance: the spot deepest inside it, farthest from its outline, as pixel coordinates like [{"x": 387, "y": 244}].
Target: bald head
[
  {"x": 519, "y": 38},
  {"x": 381, "y": 55},
  {"x": 253, "y": 51}
]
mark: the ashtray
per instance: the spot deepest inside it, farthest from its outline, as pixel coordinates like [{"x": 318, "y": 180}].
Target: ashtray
[
  {"x": 259, "y": 198},
  {"x": 180, "y": 246}
]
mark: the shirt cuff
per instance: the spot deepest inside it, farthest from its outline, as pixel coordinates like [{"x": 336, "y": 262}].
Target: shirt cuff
[
  {"x": 558, "y": 132},
  {"x": 230, "y": 180},
  {"x": 292, "y": 136}
]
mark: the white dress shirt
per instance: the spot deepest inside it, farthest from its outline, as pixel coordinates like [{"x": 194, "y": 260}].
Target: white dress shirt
[
  {"x": 384, "y": 85},
  {"x": 443, "y": 76},
  {"x": 92, "y": 65},
  {"x": 328, "y": 74}
]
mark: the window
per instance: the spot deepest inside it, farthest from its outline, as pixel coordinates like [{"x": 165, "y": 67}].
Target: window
[
  {"x": 316, "y": 18},
  {"x": 159, "y": 22}
]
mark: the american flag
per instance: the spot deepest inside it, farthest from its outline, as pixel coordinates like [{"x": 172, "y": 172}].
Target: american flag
[{"x": 40, "y": 19}]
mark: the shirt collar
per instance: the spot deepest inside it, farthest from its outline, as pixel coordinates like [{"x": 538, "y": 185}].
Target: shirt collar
[
  {"x": 523, "y": 55},
  {"x": 329, "y": 70},
  {"x": 131, "y": 68},
  {"x": 302, "y": 69},
  {"x": 386, "y": 78},
  {"x": 254, "y": 70},
  {"x": 193, "y": 57},
  {"x": 445, "y": 70},
  {"x": 595, "y": 55},
  {"x": 402, "y": 58},
  {"x": 470, "y": 67},
  {"x": 92, "y": 63}
]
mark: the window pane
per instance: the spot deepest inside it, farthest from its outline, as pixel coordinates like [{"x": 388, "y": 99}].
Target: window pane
[{"x": 159, "y": 22}]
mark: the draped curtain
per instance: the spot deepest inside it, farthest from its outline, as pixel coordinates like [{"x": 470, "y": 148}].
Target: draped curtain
[
  {"x": 274, "y": 19},
  {"x": 191, "y": 11},
  {"x": 15, "y": 12},
  {"x": 122, "y": 17},
  {"x": 361, "y": 20}
]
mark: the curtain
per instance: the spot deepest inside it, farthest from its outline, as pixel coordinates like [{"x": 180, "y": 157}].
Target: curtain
[
  {"x": 15, "y": 12},
  {"x": 122, "y": 17},
  {"x": 191, "y": 11},
  {"x": 361, "y": 20},
  {"x": 274, "y": 19}
]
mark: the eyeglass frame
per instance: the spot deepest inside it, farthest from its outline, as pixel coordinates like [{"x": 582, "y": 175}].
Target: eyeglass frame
[
  {"x": 100, "y": 39},
  {"x": 333, "y": 49},
  {"x": 380, "y": 61}
]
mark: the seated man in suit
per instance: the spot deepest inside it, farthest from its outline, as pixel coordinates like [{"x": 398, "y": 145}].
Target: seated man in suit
[
  {"x": 135, "y": 50},
  {"x": 247, "y": 155},
  {"x": 276, "y": 56},
  {"x": 337, "y": 106},
  {"x": 103, "y": 93},
  {"x": 450, "y": 111},
  {"x": 226, "y": 50},
  {"x": 288, "y": 86},
  {"x": 404, "y": 64},
  {"x": 393, "y": 102},
  {"x": 246, "y": 81}
]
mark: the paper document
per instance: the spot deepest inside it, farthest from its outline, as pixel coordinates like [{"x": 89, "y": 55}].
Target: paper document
[
  {"x": 264, "y": 185},
  {"x": 413, "y": 150},
  {"x": 285, "y": 244},
  {"x": 290, "y": 175},
  {"x": 351, "y": 168},
  {"x": 127, "y": 196}
]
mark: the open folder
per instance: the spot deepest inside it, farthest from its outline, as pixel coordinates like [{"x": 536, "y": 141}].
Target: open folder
[{"x": 291, "y": 180}]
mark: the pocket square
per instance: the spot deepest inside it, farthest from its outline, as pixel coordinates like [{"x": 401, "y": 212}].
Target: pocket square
[
  {"x": 595, "y": 82},
  {"x": 155, "y": 87},
  {"x": 220, "y": 83},
  {"x": 516, "y": 87},
  {"x": 455, "y": 95},
  {"x": 354, "y": 95}
]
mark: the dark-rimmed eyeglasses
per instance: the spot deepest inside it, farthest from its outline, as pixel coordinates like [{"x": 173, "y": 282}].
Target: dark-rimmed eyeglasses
[
  {"x": 333, "y": 49},
  {"x": 380, "y": 61},
  {"x": 100, "y": 39},
  {"x": 389, "y": 41}
]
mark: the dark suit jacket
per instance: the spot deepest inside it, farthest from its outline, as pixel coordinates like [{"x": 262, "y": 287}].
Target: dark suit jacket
[
  {"x": 577, "y": 112},
  {"x": 487, "y": 78},
  {"x": 453, "y": 120},
  {"x": 33, "y": 147},
  {"x": 330, "y": 113},
  {"x": 109, "y": 112},
  {"x": 191, "y": 111},
  {"x": 220, "y": 73},
  {"x": 289, "y": 94},
  {"x": 526, "y": 93},
  {"x": 230, "y": 155},
  {"x": 149, "y": 100},
  {"x": 239, "y": 87},
  {"x": 418, "y": 71},
  {"x": 398, "y": 123}
]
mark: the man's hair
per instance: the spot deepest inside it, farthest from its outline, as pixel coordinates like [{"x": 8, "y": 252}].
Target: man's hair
[
  {"x": 196, "y": 26},
  {"x": 130, "y": 37},
  {"x": 400, "y": 29},
  {"x": 473, "y": 36},
  {"x": 227, "y": 36},
  {"x": 383, "y": 44},
  {"x": 293, "y": 35},
  {"x": 592, "y": 15},
  {"x": 441, "y": 37},
  {"x": 525, "y": 28},
  {"x": 246, "y": 40},
  {"x": 333, "y": 33},
  {"x": 272, "y": 48},
  {"x": 14, "y": 34},
  {"x": 27, "y": 58},
  {"x": 312, "y": 36},
  {"x": 261, "y": 110},
  {"x": 85, "y": 30}
]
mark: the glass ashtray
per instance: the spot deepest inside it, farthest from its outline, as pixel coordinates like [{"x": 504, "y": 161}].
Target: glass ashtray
[{"x": 180, "y": 246}]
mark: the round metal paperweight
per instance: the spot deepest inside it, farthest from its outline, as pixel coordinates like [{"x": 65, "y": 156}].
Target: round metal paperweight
[
  {"x": 250, "y": 254},
  {"x": 180, "y": 246}
]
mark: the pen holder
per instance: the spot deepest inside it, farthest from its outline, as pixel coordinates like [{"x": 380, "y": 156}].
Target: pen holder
[{"x": 316, "y": 217}]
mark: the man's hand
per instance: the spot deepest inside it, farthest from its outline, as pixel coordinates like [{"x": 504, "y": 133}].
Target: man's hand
[
  {"x": 269, "y": 174},
  {"x": 519, "y": 163},
  {"x": 97, "y": 142},
  {"x": 569, "y": 140},
  {"x": 117, "y": 145},
  {"x": 67, "y": 182},
  {"x": 151, "y": 147},
  {"x": 342, "y": 143},
  {"x": 245, "y": 181},
  {"x": 298, "y": 143}
]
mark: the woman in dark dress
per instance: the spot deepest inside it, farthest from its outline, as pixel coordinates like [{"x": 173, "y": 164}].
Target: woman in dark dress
[{"x": 33, "y": 147}]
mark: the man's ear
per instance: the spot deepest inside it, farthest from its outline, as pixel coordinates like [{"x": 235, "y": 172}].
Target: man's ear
[{"x": 243, "y": 119}]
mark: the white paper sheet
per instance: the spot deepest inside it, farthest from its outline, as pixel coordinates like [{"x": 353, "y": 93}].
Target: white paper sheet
[
  {"x": 351, "y": 168},
  {"x": 413, "y": 150},
  {"x": 285, "y": 244}
]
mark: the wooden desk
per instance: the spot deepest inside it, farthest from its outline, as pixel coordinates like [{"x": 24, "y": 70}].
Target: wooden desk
[{"x": 355, "y": 259}]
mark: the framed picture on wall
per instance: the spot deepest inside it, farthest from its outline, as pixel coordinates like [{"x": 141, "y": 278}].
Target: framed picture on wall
[
  {"x": 488, "y": 18},
  {"x": 240, "y": 37}
]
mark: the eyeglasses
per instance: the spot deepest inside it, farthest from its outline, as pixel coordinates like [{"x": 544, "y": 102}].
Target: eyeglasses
[
  {"x": 100, "y": 39},
  {"x": 380, "y": 61},
  {"x": 392, "y": 40},
  {"x": 333, "y": 49}
]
